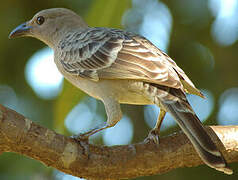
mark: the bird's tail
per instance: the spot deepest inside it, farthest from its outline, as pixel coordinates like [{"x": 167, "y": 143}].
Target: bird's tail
[{"x": 176, "y": 103}]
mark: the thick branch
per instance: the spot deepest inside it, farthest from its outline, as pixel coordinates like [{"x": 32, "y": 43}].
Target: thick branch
[{"x": 19, "y": 134}]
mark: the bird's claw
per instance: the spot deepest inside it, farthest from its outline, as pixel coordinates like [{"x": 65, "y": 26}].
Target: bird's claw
[
  {"x": 153, "y": 136},
  {"x": 82, "y": 140},
  {"x": 81, "y": 137}
]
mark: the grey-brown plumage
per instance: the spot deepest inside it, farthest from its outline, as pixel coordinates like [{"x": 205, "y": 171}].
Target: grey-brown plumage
[{"x": 116, "y": 67}]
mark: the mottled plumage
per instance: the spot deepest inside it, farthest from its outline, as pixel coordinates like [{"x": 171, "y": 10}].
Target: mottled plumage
[
  {"x": 116, "y": 67},
  {"x": 105, "y": 53}
]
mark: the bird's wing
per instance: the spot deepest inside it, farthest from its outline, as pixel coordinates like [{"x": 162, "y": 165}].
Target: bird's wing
[{"x": 104, "y": 53}]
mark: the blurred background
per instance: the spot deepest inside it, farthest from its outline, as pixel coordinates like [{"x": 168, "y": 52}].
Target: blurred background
[{"x": 201, "y": 36}]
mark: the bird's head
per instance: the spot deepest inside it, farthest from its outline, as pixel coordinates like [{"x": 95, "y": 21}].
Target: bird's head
[{"x": 49, "y": 25}]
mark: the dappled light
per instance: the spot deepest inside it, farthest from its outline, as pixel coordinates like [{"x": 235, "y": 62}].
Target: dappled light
[
  {"x": 80, "y": 118},
  {"x": 151, "y": 113},
  {"x": 228, "y": 107},
  {"x": 121, "y": 133},
  {"x": 225, "y": 27},
  {"x": 155, "y": 21},
  {"x": 62, "y": 176},
  {"x": 8, "y": 96},
  {"x": 42, "y": 74},
  {"x": 202, "y": 107},
  {"x": 200, "y": 36},
  {"x": 83, "y": 118}
]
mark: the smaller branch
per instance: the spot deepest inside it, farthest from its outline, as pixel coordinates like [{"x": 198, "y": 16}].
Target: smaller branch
[{"x": 19, "y": 134}]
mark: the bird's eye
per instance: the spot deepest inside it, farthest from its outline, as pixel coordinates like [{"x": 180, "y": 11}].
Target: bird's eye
[{"x": 40, "y": 20}]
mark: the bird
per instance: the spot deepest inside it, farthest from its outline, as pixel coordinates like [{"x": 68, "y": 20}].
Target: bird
[{"x": 121, "y": 67}]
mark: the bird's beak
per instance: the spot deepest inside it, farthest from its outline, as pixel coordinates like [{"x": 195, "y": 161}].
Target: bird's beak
[{"x": 21, "y": 30}]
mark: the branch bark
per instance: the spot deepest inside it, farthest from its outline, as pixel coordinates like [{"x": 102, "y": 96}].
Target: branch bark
[{"x": 19, "y": 134}]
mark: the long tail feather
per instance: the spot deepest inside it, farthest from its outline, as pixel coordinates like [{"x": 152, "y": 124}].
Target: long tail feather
[
  {"x": 202, "y": 142},
  {"x": 175, "y": 102}
]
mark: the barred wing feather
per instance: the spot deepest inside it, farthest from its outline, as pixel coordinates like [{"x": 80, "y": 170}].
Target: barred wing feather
[{"x": 104, "y": 53}]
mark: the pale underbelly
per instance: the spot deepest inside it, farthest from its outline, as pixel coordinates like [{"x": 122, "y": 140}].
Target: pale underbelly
[{"x": 124, "y": 91}]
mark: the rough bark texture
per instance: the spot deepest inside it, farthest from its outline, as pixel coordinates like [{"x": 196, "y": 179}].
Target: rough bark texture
[{"x": 19, "y": 134}]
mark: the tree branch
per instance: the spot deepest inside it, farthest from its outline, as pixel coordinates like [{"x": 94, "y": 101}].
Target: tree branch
[{"x": 19, "y": 134}]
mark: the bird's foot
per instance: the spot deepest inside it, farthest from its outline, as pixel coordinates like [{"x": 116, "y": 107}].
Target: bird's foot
[
  {"x": 85, "y": 136},
  {"x": 153, "y": 136},
  {"x": 82, "y": 137},
  {"x": 82, "y": 140}
]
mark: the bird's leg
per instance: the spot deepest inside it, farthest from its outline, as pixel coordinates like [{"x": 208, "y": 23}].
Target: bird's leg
[
  {"x": 85, "y": 136},
  {"x": 114, "y": 115},
  {"x": 154, "y": 133}
]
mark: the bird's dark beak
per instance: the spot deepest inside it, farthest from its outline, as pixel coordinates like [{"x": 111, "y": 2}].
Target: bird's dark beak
[{"x": 21, "y": 30}]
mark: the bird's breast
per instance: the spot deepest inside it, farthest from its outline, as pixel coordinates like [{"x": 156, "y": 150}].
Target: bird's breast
[{"x": 124, "y": 91}]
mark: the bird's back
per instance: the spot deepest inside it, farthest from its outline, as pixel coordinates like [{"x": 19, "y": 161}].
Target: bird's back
[{"x": 106, "y": 53}]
